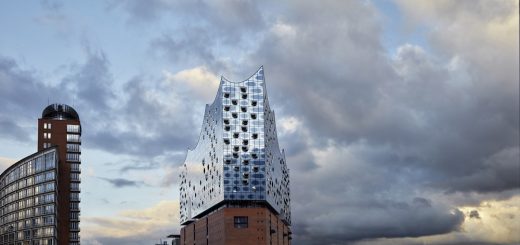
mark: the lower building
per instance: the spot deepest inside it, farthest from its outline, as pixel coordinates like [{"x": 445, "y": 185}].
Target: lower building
[
  {"x": 39, "y": 195},
  {"x": 237, "y": 224},
  {"x": 28, "y": 200}
]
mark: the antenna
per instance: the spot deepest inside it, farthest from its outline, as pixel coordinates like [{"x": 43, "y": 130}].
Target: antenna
[{"x": 48, "y": 103}]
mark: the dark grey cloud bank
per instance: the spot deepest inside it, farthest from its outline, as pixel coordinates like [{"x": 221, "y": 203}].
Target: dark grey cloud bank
[
  {"x": 384, "y": 141},
  {"x": 417, "y": 126},
  {"x": 420, "y": 123}
]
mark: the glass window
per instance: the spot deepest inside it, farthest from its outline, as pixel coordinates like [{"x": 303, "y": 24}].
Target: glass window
[
  {"x": 73, "y": 138},
  {"x": 72, "y": 157},
  {"x": 241, "y": 221},
  {"x": 73, "y": 148},
  {"x": 73, "y": 129}
]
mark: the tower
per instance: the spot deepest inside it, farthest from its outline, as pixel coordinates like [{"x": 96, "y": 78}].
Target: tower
[
  {"x": 39, "y": 195},
  {"x": 235, "y": 181},
  {"x": 60, "y": 126}
]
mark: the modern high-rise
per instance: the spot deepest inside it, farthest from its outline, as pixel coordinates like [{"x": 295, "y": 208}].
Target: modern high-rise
[
  {"x": 235, "y": 182},
  {"x": 39, "y": 195}
]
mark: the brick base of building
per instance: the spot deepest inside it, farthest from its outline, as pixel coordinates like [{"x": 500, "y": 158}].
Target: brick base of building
[{"x": 237, "y": 225}]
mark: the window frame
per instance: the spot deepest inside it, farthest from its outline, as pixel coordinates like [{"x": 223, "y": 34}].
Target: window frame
[{"x": 241, "y": 222}]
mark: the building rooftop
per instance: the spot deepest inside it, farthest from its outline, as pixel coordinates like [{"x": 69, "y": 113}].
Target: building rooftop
[{"x": 60, "y": 112}]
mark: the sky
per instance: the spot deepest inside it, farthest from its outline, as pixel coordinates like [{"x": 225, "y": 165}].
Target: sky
[{"x": 399, "y": 119}]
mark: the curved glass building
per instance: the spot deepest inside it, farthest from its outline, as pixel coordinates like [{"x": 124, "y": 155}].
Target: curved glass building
[
  {"x": 28, "y": 195},
  {"x": 236, "y": 164},
  {"x": 39, "y": 195}
]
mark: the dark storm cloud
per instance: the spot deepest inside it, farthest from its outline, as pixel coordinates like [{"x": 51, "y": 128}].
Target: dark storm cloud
[
  {"x": 358, "y": 193},
  {"x": 120, "y": 182},
  {"x": 383, "y": 141},
  {"x": 428, "y": 124},
  {"x": 443, "y": 119},
  {"x": 433, "y": 122}
]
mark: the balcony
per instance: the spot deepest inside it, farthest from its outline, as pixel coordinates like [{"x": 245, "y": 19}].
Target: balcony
[
  {"x": 75, "y": 208},
  {"x": 74, "y": 238}
]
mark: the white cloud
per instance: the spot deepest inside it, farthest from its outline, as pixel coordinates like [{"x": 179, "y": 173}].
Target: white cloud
[
  {"x": 289, "y": 125},
  {"x": 498, "y": 222},
  {"x": 149, "y": 222},
  {"x": 5, "y": 163},
  {"x": 283, "y": 30},
  {"x": 202, "y": 82}
]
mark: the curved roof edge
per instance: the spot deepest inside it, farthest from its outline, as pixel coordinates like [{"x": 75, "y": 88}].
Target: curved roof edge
[
  {"x": 60, "y": 112},
  {"x": 52, "y": 148},
  {"x": 223, "y": 79},
  {"x": 260, "y": 71}
]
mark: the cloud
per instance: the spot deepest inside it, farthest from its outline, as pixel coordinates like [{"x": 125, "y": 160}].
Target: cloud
[
  {"x": 385, "y": 146},
  {"x": 171, "y": 176},
  {"x": 429, "y": 117},
  {"x": 474, "y": 214},
  {"x": 12, "y": 131},
  {"x": 202, "y": 82},
  {"x": 5, "y": 163},
  {"x": 191, "y": 48},
  {"x": 142, "y": 125},
  {"x": 493, "y": 221},
  {"x": 422, "y": 123},
  {"x": 337, "y": 193},
  {"x": 120, "y": 182},
  {"x": 134, "y": 226},
  {"x": 21, "y": 91}
]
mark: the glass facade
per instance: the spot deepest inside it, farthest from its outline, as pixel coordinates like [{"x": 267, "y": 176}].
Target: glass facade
[
  {"x": 28, "y": 194},
  {"x": 237, "y": 157}
]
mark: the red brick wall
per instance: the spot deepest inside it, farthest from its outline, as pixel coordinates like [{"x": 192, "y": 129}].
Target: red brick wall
[
  {"x": 221, "y": 228},
  {"x": 59, "y": 137}
]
